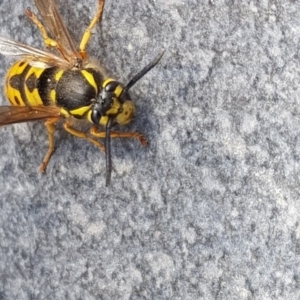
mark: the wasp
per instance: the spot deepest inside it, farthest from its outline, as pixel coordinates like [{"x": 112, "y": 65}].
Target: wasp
[{"x": 65, "y": 83}]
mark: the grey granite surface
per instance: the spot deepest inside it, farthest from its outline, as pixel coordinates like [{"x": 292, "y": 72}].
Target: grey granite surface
[{"x": 210, "y": 210}]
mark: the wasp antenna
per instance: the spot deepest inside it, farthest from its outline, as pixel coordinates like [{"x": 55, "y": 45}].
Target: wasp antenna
[
  {"x": 108, "y": 152},
  {"x": 144, "y": 71}
]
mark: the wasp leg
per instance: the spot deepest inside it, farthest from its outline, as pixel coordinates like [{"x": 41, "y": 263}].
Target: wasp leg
[
  {"x": 82, "y": 135},
  {"x": 87, "y": 34},
  {"x": 48, "y": 41},
  {"x": 50, "y": 125},
  {"x": 115, "y": 134}
]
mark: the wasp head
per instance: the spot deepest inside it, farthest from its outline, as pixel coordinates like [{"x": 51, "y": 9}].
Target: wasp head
[{"x": 113, "y": 102}]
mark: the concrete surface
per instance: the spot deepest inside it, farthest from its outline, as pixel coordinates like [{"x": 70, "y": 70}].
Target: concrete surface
[{"x": 210, "y": 210}]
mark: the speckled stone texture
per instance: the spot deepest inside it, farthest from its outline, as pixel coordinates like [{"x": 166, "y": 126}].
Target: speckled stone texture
[{"x": 210, "y": 210}]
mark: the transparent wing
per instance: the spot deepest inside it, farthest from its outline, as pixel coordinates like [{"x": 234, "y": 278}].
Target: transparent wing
[
  {"x": 19, "y": 114},
  {"x": 35, "y": 56},
  {"x": 55, "y": 24}
]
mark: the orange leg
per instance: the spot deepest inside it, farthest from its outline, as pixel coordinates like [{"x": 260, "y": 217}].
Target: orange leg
[
  {"x": 88, "y": 32},
  {"x": 50, "y": 125},
  {"x": 114, "y": 134},
  {"x": 82, "y": 135},
  {"x": 47, "y": 40}
]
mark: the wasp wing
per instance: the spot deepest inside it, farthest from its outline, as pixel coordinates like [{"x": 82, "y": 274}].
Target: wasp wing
[
  {"x": 35, "y": 56},
  {"x": 56, "y": 26},
  {"x": 19, "y": 114}
]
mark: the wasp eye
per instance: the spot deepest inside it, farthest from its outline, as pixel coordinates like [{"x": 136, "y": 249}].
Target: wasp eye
[
  {"x": 105, "y": 101},
  {"x": 96, "y": 116},
  {"x": 111, "y": 86}
]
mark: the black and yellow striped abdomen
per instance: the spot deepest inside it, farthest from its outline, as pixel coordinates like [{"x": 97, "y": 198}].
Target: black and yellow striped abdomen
[
  {"x": 21, "y": 85},
  {"x": 28, "y": 85}
]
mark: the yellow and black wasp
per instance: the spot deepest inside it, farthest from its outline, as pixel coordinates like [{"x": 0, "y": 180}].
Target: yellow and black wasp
[{"x": 70, "y": 84}]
